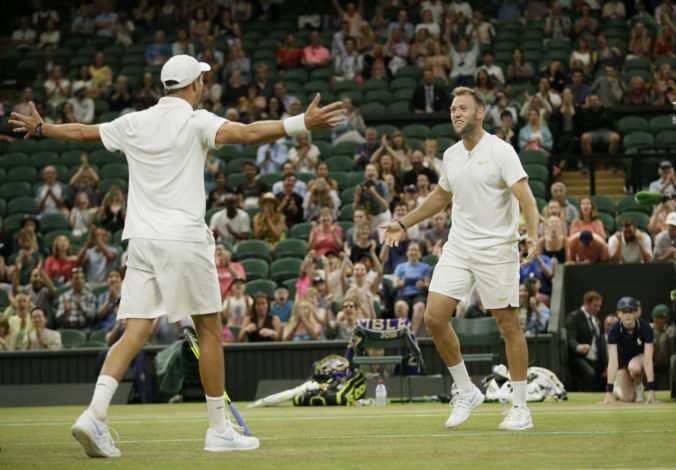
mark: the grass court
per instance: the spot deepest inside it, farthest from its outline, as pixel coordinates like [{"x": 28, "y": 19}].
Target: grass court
[{"x": 578, "y": 433}]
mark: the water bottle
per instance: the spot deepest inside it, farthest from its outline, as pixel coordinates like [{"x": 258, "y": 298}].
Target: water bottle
[{"x": 381, "y": 393}]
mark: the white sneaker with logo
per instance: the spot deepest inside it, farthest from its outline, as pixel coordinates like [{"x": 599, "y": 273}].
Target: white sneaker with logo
[
  {"x": 229, "y": 440},
  {"x": 463, "y": 404},
  {"x": 94, "y": 436},
  {"x": 517, "y": 419}
]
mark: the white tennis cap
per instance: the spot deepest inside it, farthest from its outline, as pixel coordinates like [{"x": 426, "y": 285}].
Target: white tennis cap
[{"x": 183, "y": 69}]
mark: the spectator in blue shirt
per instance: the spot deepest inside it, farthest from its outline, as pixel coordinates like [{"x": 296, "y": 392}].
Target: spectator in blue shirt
[
  {"x": 282, "y": 307},
  {"x": 630, "y": 355},
  {"x": 580, "y": 89},
  {"x": 159, "y": 51},
  {"x": 540, "y": 268},
  {"x": 271, "y": 157},
  {"x": 412, "y": 279}
]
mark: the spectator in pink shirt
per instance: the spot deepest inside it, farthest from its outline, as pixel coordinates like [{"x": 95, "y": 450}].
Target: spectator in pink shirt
[
  {"x": 227, "y": 269},
  {"x": 315, "y": 55},
  {"x": 326, "y": 236},
  {"x": 586, "y": 247}
]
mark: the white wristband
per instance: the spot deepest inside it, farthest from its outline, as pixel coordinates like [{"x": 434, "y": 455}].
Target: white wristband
[{"x": 295, "y": 125}]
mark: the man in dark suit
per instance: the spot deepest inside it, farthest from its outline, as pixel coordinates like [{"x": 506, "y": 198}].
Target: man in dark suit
[
  {"x": 429, "y": 97},
  {"x": 587, "y": 353}
]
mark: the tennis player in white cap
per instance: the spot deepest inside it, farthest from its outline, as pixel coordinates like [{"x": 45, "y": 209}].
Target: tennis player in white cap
[{"x": 171, "y": 269}]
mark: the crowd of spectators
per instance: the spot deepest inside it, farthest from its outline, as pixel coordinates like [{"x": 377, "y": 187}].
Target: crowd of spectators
[{"x": 290, "y": 183}]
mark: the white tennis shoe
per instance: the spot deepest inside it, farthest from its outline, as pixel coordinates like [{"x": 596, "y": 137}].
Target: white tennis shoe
[
  {"x": 517, "y": 419},
  {"x": 229, "y": 440},
  {"x": 94, "y": 436},
  {"x": 463, "y": 404}
]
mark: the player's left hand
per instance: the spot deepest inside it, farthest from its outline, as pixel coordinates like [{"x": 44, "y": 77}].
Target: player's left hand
[
  {"x": 331, "y": 115},
  {"x": 530, "y": 243},
  {"x": 26, "y": 124},
  {"x": 651, "y": 397}
]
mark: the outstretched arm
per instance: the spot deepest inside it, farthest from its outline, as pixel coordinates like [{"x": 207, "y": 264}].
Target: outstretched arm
[
  {"x": 260, "y": 132},
  {"x": 434, "y": 203},
  {"x": 34, "y": 125}
]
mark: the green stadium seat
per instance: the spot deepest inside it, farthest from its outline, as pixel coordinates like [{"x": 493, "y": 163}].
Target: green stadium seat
[
  {"x": 442, "y": 130},
  {"x": 416, "y": 131},
  {"x": 49, "y": 222},
  {"x": 660, "y": 123},
  {"x": 229, "y": 152},
  {"x": 71, "y": 338},
  {"x": 378, "y": 96},
  {"x": 608, "y": 222},
  {"x": 641, "y": 219},
  {"x": 374, "y": 85},
  {"x": 42, "y": 159},
  {"x": 411, "y": 71},
  {"x": 71, "y": 158},
  {"x": 252, "y": 249},
  {"x": 255, "y": 269},
  {"x": 283, "y": 269},
  {"x": 346, "y": 212},
  {"x": 639, "y": 140},
  {"x": 297, "y": 74},
  {"x": 628, "y": 204},
  {"x": 631, "y": 124},
  {"x": 103, "y": 157},
  {"x": 356, "y": 97},
  {"x": 108, "y": 116},
  {"x": 114, "y": 170},
  {"x": 14, "y": 189},
  {"x": 51, "y": 145},
  {"x": 340, "y": 163},
  {"x": 3, "y": 208},
  {"x": 92, "y": 344},
  {"x": 314, "y": 86},
  {"x": 22, "y": 205},
  {"x": 14, "y": 159},
  {"x": 301, "y": 231},
  {"x": 373, "y": 109},
  {"x": 106, "y": 184},
  {"x": 386, "y": 129},
  {"x": 12, "y": 223},
  {"x": 534, "y": 156},
  {"x": 347, "y": 195},
  {"x": 235, "y": 179},
  {"x": 270, "y": 178},
  {"x": 306, "y": 177},
  {"x": 640, "y": 63},
  {"x": 265, "y": 286},
  {"x": 323, "y": 74},
  {"x": 443, "y": 143},
  {"x": 356, "y": 177},
  {"x": 644, "y": 74},
  {"x": 23, "y": 173},
  {"x": 399, "y": 107},
  {"x": 291, "y": 248},
  {"x": 344, "y": 148},
  {"x": 98, "y": 335},
  {"x": 415, "y": 144},
  {"x": 345, "y": 85},
  {"x": 605, "y": 204},
  {"x": 537, "y": 187},
  {"x": 403, "y": 94},
  {"x": 537, "y": 172},
  {"x": 345, "y": 225},
  {"x": 237, "y": 165},
  {"x": 342, "y": 178},
  {"x": 403, "y": 83},
  {"x": 664, "y": 139},
  {"x": 252, "y": 211}
]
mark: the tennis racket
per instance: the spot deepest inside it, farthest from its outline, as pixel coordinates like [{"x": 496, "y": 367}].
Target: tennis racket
[{"x": 195, "y": 347}]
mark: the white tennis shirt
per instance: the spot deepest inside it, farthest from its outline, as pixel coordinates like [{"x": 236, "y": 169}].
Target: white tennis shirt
[
  {"x": 485, "y": 214},
  {"x": 166, "y": 147}
]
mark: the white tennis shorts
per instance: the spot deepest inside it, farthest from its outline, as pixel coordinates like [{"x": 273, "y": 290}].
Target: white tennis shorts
[
  {"x": 172, "y": 278},
  {"x": 457, "y": 270}
]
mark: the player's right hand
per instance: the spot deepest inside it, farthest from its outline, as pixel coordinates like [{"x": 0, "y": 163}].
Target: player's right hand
[{"x": 392, "y": 234}]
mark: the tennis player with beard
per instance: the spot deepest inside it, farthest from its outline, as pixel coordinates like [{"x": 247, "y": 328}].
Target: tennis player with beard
[
  {"x": 171, "y": 269},
  {"x": 483, "y": 177}
]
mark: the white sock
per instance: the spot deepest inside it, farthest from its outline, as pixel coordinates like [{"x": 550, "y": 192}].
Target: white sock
[
  {"x": 103, "y": 394},
  {"x": 461, "y": 377},
  {"x": 519, "y": 393},
  {"x": 216, "y": 407}
]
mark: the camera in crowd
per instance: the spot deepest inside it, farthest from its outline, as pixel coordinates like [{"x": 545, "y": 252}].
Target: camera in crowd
[{"x": 367, "y": 184}]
